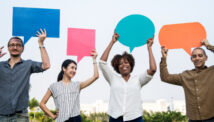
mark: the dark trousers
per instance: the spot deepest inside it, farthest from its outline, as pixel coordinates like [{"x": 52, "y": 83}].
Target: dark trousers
[
  {"x": 120, "y": 119},
  {"x": 74, "y": 119},
  {"x": 207, "y": 120}
]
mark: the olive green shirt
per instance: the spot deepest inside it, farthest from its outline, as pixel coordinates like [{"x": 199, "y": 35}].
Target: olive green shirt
[{"x": 198, "y": 88}]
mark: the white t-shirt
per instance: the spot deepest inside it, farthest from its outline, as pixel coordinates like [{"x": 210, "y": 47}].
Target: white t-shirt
[{"x": 125, "y": 97}]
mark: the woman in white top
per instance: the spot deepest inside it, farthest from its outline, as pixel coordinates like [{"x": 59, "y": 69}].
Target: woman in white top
[
  {"x": 65, "y": 92},
  {"x": 125, "y": 99}
]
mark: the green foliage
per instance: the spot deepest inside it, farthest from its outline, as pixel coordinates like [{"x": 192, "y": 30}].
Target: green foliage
[
  {"x": 33, "y": 103},
  {"x": 169, "y": 116},
  {"x": 98, "y": 117}
]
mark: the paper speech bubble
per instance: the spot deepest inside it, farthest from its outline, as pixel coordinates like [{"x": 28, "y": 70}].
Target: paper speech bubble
[
  {"x": 80, "y": 42},
  {"x": 184, "y": 35},
  {"x": 134, "y": 30},
  {"x": 27, "y": 21}
]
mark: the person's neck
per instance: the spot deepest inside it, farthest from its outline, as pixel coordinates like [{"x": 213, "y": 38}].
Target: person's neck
[
  {"x": 199, "y": 68},
  {"x": 66, "y": 80},
  {"x": 126, "y": 77},
  {"x": 14, "y": 60}
]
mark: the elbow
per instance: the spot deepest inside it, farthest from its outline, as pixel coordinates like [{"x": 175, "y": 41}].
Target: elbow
[
  {"x": 46, "y": 66},
  {"x": 96, "y": 76},
  {"x": 153, "y": 71},
  {"x": 41, "y": 105},
  {"x": 163, "y": 79}
]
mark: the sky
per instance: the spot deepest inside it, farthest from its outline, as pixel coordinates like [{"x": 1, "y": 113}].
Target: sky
[{"x": 103, "y": 16}]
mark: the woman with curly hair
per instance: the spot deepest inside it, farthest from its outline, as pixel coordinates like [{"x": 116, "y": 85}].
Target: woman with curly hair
[{"x": 125, "y": 97}]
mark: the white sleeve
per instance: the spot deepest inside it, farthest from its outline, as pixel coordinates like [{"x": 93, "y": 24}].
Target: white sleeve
[
  {"x": 107, "y": 73},
  {"x": 144, "y": 78}
]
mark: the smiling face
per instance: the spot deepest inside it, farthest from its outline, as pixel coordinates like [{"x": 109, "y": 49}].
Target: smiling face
[
  {"x": 70, "y": 71},
  {"x": 15, "y": 47},
  {"x": 198, "y": 58},
  {"x": 124, "y": 67}
]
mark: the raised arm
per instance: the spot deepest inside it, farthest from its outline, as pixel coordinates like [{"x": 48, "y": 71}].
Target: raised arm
[
  {"x": 152, "y": 64},
  {"x": 44, "y": 55},
  {"x": 207, "y": 45},
  {"x": 96, "y": 74},
  {"x": 2, "y": 54},
  {"x": 43, "y": 106},
  {"x": 164, "y": 74},
  {"x": 105, "y": 54}
]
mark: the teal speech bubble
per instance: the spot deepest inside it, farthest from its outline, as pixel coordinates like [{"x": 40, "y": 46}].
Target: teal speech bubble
[{"x": 134, "y": 30}]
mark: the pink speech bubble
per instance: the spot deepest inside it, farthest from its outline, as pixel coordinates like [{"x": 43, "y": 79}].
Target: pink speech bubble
[{"x": 80, "y": 42}]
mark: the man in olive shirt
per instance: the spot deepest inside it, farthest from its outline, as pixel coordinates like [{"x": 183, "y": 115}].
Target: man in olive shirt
[
  {"x": 198, "y": 84},
  {"x": 14, "y": 79}
]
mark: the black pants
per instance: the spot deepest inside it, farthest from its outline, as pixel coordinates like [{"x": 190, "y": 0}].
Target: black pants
[
  {"x": 120, "y": 119},
  {"x": 74, "y": 119},
  {"x": 207, "y": 120}
]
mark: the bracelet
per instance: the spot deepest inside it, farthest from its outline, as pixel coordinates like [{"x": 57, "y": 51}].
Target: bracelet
[
  {"x": 42, "y": 46},
  {"x": 94, "y": 62}
]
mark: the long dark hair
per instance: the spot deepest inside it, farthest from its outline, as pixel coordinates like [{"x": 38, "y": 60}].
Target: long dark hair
[{"x": 65, "y": 65}]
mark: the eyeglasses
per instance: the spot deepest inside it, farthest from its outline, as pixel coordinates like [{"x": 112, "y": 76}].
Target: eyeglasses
[{"x": 15, "y": 45}]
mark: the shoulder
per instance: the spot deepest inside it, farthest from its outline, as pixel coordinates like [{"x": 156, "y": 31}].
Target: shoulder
[
  {"x": 211, "y": 67},
  {"x": 55, "y": 84},
  {"x": 3, "y": 62},
  {"x": 76, "y": 83}
]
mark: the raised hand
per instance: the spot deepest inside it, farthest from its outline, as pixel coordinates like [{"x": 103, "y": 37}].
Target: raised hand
[
  {"x": 2, "y": 54},
  {"x": 204, "y": 42},
  {"x": 94, "y": 54},
  {"x": 164, "y": 51},
  {"x": 42, "y": 35},
  {"x": 150, "y": 41},
  {"x": 115, "y": 37}
]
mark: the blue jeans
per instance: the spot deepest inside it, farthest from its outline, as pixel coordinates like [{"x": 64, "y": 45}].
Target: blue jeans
[
  {"x": 120, "y": 119},
  {"x": 17, "y": 117},
  {"x": 74, "y": 119},
  {"x": 207, "y": 120}
]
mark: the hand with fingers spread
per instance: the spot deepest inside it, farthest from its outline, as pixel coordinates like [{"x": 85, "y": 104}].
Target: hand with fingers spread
[
  {"x": 164, "y": 51},
  {"x": 205, "y": 42},
  {"x": 150, "y": 41},
  {"x": 115, "y": 37},
  {"x": 42, "y": 35},
  {"x": 2, "y": 54}
]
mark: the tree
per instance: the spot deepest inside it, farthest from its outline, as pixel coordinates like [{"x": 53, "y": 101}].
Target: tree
[
  {"x": 33, "y": 103},
  {"x": 169, "y": 116}
]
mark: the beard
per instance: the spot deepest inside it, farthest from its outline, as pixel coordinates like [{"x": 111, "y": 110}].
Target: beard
[{"x": 15, "y": 56}]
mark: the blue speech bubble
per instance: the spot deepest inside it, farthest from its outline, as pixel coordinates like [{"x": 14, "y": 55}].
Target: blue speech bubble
[
  {"x": 27, "y": 21},
  {"x": 134, "y": 30}
]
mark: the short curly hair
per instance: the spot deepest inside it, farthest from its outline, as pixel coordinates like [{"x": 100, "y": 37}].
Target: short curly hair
[{"x": 116, "y": 61}]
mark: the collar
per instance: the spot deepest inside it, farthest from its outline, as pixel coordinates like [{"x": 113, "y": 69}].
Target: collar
[
  {"x": 199, "y": 70},
  {"x": 7, "y": 62}
]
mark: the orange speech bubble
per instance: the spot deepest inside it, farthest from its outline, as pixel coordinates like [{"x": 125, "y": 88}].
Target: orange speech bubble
[{"x": 185, "y": 36}]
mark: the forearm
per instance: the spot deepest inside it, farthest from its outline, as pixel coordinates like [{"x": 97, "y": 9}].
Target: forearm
[
  {"x": 210, "y": 47},
  {"x": 93, "y": 78},
  {"x": 105, "y": 55},
  {"x": 166, "y": 77},
  {"x": 46, "y": 110},
  {"x": 96, "y": 74},
  {"x": 152, "y": 63},
  {"x": 45, "y": 58}
]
